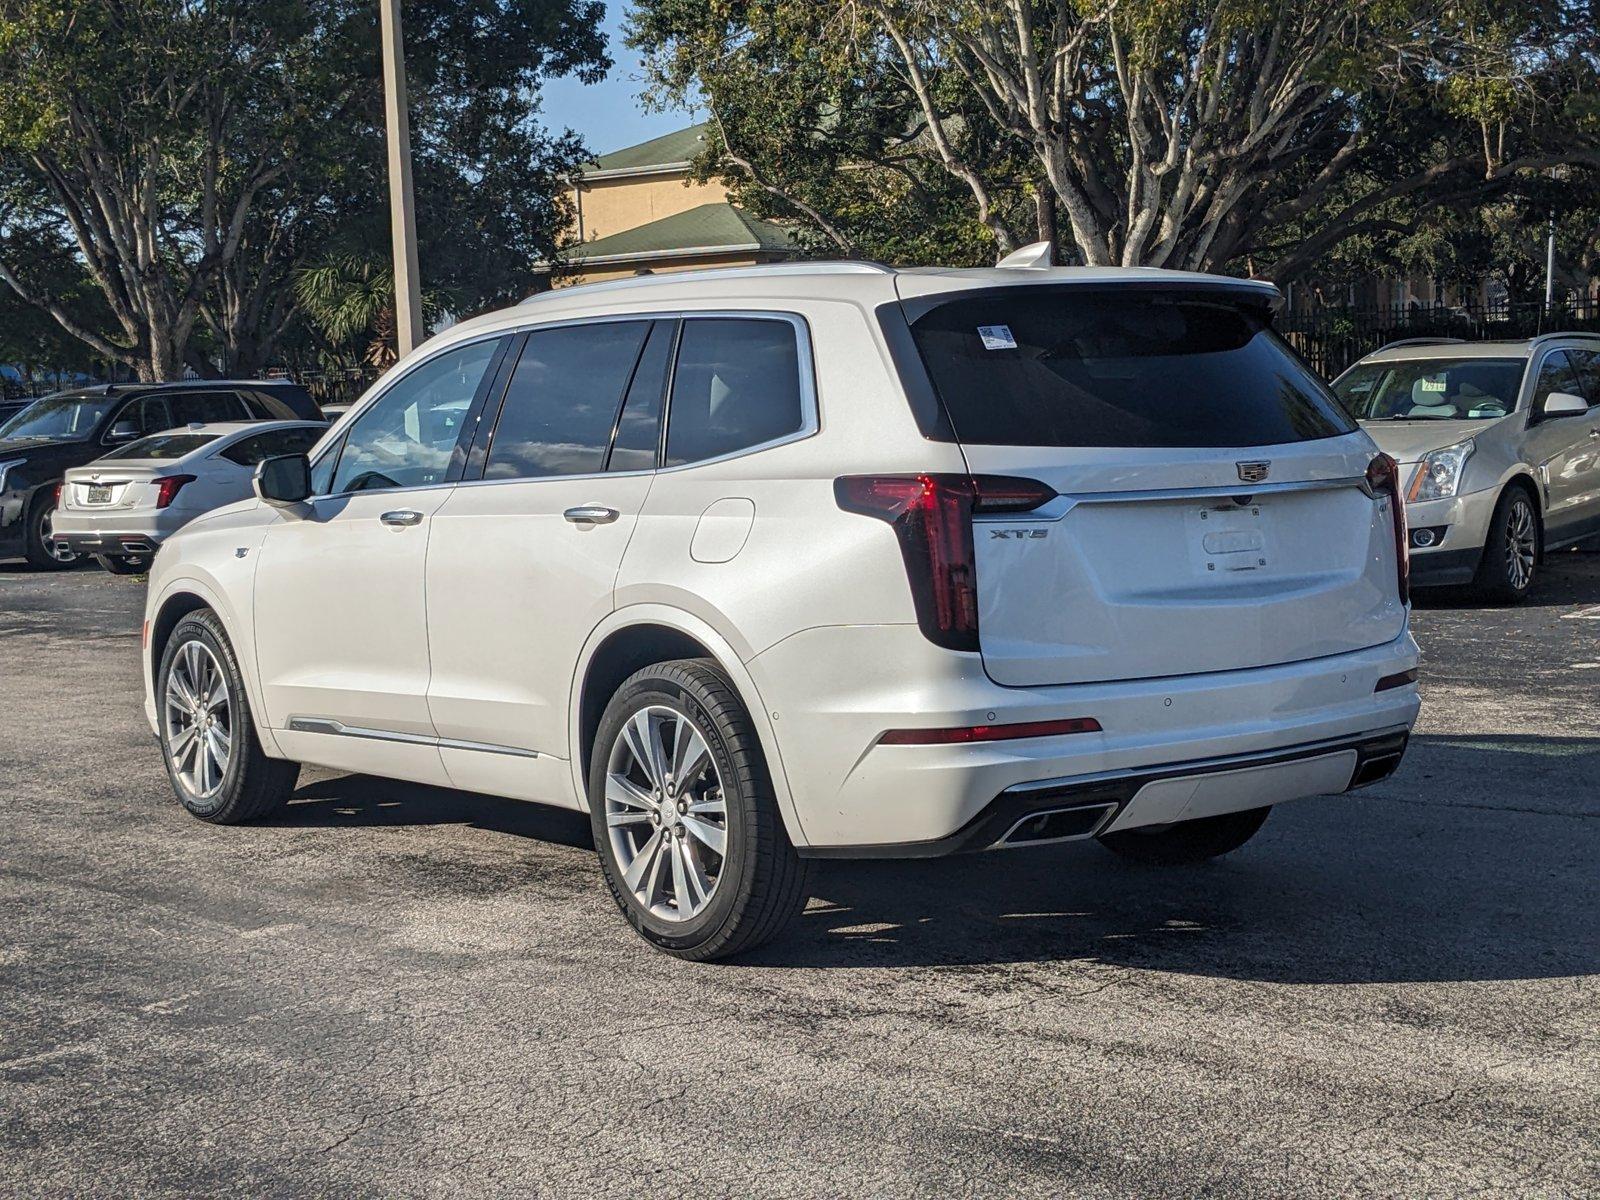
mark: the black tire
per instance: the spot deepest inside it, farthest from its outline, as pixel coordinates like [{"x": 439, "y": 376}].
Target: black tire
[
  {"x": 252, "y": 785},
  {"x": 762, "y": 881},
  {"x": 1497, "y": 579},
  {"x": 124, "y": 564},
  {"x": 36, "y": 536},
  {"x": 1187, "y": 842}
]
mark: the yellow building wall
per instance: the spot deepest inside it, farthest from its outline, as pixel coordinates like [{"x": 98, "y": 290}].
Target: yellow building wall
[{"x": 610, "y": 206}]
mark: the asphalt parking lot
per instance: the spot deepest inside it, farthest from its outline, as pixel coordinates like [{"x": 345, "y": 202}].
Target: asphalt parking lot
[{"x": 397, "y": 990}]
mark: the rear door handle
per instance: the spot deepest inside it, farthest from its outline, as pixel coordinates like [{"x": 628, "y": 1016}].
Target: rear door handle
[
  {"x": 401, "y": 517},
  {"x": 593, "y": 514}
]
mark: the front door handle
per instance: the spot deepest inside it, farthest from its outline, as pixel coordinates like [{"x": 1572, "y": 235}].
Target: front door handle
[
  {"x": 401, "y": 517},
  {"x": 592, "y": 514}
]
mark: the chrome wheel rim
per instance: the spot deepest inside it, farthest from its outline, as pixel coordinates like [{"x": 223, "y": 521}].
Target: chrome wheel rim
[
  {"x": 666, "y": 813},
  {"x": 47, "y": 528},
  {"x": 1521, "y": 547},
  {"x": 198, "y": 719}
]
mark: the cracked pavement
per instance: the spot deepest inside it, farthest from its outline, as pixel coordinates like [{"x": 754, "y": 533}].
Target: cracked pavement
[{"x": 404, "y": 991}]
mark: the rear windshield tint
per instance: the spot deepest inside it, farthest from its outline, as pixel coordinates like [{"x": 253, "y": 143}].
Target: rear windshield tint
[
  {"x": 1084, "y": 367},
  {"x": 163, "y": 445}
]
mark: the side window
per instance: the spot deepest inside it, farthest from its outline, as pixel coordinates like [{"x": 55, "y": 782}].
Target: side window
[
  {"x": 561, "y": 404},
  {"x": 408, "y": 435},
  {"x": 1587, "y": 363},
  {"x": 149, "y": 413},
  {"x": 736, "y": 385},
  {"x": 206, "y": 407},
  {"x": 247, "y": 452},
  {"x": 1555, "y": 375},
  {"x": 639, "y": 427}
]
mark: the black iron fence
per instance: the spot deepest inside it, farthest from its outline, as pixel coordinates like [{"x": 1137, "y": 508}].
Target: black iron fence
[{"x": 1333, "y": 338}]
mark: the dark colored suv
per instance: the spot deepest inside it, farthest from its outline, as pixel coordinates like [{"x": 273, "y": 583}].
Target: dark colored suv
[{"x": 39, "y": 444}]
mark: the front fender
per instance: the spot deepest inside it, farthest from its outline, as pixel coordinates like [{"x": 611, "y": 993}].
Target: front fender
[{"x": 215, "y": 562}]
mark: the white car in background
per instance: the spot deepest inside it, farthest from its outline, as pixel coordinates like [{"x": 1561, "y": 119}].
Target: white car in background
[
  {"x": 1499, "y": 451},
  {"x": 758, "y": 565},
  {"x": 121, "y": 507}
]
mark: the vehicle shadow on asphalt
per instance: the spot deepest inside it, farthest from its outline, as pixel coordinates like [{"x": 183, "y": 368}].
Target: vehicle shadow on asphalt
[
  {"x": 1475, "y": 862},
  {"x": 1466, "y": 866},
  {"x": 1567, "y": 577},
  {"x": 352, "y": 801}
]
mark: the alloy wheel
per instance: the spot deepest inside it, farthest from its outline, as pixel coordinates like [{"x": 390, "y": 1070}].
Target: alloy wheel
[
  {"x": 1521, "y": 544},
  {"x": 666, "y": 813},
  {"x": 198, "y": 719}
]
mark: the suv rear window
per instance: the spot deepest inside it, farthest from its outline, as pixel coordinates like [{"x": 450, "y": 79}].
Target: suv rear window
[{"x": 1091, "y": 367}]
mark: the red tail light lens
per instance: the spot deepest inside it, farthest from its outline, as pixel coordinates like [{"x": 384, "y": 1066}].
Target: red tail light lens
[
  {"x": 168, "y": 486},
  {"x": 932, "y": 517},
  {"x": 989, "y": 733},
  {"x": 1383, "y": 479}
]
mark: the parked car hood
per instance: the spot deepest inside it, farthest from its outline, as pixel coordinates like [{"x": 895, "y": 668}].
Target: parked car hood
[
  {"x": 1408, "y": 441},
  {"x": 56, "y": 456}
]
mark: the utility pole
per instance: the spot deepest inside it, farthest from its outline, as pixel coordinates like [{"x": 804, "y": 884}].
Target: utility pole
[
  {"x": 402, "y": 204},
  {"x": 1550, "y": 265}
]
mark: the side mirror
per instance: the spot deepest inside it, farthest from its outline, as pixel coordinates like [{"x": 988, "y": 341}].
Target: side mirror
[
  {"x": 1563, "y": 404},
  {"x": 284, "y": 480},
  {"x": 123, "y": 431}
]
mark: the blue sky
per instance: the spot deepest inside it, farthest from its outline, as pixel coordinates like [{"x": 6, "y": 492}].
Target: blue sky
[{"x": 609, "y": 114}]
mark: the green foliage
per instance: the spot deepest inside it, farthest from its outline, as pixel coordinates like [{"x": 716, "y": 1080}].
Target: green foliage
[
  {"x": 197, "y": 153},
  {"x": 1216, "y": 134}
]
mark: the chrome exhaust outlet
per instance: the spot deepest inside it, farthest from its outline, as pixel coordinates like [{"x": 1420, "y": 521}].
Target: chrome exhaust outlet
[{"x": 1058, "y": 825}]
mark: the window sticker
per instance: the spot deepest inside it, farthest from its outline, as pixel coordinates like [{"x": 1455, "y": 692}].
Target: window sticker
[
  {"x": 1430, "y": 385},
  {"x": 997, "y": 337}
]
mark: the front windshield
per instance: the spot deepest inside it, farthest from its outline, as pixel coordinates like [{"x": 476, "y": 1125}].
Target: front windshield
[
  {"x": 58, "y": 418},
  {"x": 1432, "y": 389}
]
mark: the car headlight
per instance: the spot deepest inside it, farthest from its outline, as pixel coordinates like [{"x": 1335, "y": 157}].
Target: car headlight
[
  {"x": 5, "y": 469},
  {"x": 1439, "y": 473}
]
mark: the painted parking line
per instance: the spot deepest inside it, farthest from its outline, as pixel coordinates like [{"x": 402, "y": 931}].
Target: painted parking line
[{"x": 1592, "y": 613}]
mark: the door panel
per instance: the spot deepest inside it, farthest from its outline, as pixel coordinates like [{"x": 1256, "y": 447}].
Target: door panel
[
  {"x": 340, "y": 599},
  {"x": 341, "y": 630},
  {"x": 1565, "y": 449},
  {"x": 517, "y": 577},
  {"x": 514, "y": 589}
]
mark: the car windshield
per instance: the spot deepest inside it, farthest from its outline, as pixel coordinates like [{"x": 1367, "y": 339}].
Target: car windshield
[
  {"x": 1432, "y": 389},
  {"x": 163, "y": 445},
  {"x": 58, "y": 418}
]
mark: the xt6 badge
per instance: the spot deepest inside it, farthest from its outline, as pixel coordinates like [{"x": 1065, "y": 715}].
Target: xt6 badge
[{"x": 1019, "y": 533}]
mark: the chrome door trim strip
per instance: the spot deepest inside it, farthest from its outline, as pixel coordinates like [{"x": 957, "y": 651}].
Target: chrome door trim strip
[{"x": 327, "y": 725}]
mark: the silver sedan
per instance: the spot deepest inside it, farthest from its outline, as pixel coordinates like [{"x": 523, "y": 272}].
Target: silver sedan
[{"x": 120, "y": 508}]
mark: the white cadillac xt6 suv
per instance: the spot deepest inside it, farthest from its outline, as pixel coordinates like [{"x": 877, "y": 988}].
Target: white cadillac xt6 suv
[{"x": 760, "y": 565}]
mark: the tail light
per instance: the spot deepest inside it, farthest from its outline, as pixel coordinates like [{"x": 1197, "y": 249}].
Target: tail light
[
  {"x": 168, "y": 486},
  {"x": 989, "y": 733},
  {"x": 932, "y": 517},
  {"x": 1383, "y": 479}
]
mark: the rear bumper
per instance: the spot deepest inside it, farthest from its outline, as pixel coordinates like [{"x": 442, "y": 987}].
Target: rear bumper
[
  {"x": 834, "y": 692},
  {"x": 1065, "y": 810},
  {"x": 110, "y": 533}
]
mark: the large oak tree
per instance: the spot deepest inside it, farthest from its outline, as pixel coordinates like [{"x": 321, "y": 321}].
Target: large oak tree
[
  {"x": 1182, "y": 133},
  {"x": 196, "y": 153}
]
